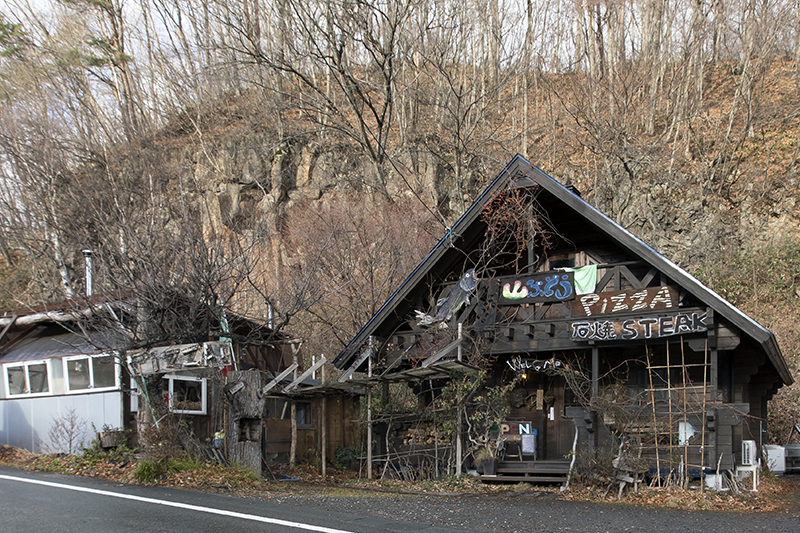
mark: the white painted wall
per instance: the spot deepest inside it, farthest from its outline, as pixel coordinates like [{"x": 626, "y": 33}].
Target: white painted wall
[{"x": 26, "y": 422}]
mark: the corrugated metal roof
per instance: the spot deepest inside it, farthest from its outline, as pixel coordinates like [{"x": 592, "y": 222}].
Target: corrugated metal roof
[{"x": 46, "y": 343}]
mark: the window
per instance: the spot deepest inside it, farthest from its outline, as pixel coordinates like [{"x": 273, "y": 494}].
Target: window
[
  {"x": 85, "y": 372},
  {"x": 562, "y": 263},
  {"x": 187, "y": 395},
  {"x": 304, "y": 414},
  {"x": 27, "y": 378},
  {"x": 639, "y": 387},
  {"x": 280, "y": 409},
  {"x": 277, "y": 408}
]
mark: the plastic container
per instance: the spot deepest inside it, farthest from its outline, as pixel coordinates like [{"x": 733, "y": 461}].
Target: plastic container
[{"x": 776, "y": 458}]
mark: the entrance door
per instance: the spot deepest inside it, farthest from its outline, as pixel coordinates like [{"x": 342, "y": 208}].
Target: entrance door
[{"x": 538, "y": 403}]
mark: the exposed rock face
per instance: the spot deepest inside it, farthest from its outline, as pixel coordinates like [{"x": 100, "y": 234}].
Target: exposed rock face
[{"x": 678, "y": 217}]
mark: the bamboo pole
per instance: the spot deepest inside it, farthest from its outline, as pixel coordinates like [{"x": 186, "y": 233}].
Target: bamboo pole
[
  {"x": 669, "y": 409},
  {"x": 655, "y": 419},
  {"x": 703, "y": 418},
  {"x": 685, "y": 421}
]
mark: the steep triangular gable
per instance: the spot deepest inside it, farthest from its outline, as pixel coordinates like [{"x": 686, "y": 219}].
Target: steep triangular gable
[{"x": 521, "y": 174}]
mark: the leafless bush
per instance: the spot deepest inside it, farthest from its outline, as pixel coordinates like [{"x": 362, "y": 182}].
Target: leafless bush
[
  {"x": 596, "y": 467},
  {"x": 67, "y": 433}
]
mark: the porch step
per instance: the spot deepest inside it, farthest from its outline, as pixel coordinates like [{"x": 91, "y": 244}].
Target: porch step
[
  {"x": 530, "y": 471},
  {"x": 505, "y": 478}
]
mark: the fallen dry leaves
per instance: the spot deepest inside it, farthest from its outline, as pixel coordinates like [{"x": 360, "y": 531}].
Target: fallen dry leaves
[{"x": 774, "y": 494}]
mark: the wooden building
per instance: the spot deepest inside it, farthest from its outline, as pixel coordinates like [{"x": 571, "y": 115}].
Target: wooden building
[
  {"x": 249, "y": 398},
  {"x": 56, "y": 363},
  {"x": 604, "y": 341}
]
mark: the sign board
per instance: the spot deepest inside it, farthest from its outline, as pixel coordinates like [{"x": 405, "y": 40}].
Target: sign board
[
  {"x": 539, "y": 287},
  {"x": 649, "y": 327},
  {"x": 629, "y": 301},
  {"x": 518, "y": 428}
]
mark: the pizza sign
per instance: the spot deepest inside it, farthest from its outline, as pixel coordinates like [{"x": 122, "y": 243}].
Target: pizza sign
[{"x": 630, "y": 301}]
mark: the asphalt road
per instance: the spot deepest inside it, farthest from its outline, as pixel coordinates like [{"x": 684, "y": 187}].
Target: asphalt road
[
  {"x": 36, "y": 502},
  {"x": 546, "y": 512}
]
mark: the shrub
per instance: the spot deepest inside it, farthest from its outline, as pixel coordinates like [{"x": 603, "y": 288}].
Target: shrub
[{"x": 344, "y": 455}]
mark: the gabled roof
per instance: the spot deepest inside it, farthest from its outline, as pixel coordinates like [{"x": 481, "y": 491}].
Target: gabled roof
[{"x": 519, "y": 173}]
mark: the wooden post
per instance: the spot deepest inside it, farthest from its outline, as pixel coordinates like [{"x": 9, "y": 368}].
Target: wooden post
[
  {"x": 711, "y": 339},
  {"x": 595, "y": 373},
  {"x": 458, "y": 415},
  {"x": 369, "y": 416},
  {"x": 293, "y": 416},
  {"x": 323, "y": 434},
  {"x": 593, "y": 438}
]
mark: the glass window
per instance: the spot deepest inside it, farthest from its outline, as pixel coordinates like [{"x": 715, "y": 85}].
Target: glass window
[
  {"x": 78, "y": 376},
  {"x": 37, "y": 378},
  {"x": 304, "y": 414},
  {"x": 639, "y": 386},
  {"x": 16, "y": 380},
  {"x": 104, "y": 371},
  {"x": 281, "y": 409},
  {"x": 277, "y": 408},
  {"x": 90, "y": 372},
  {"x": 187, "y": 395},
  {"x": 27, "y": 378}
]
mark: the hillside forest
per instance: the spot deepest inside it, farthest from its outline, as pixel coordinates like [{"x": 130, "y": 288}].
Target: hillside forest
[{"x": 292, "y": 161}]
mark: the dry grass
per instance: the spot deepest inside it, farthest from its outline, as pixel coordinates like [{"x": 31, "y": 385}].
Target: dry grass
[{"x": 774, "y": 494}]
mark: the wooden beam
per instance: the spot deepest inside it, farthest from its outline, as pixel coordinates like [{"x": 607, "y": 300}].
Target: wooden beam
[
  {"x": 8, "y": 326},
  {"x": 651, "y": 274},
  {"x": 271, "y": 385},
  {"x": 441, "y": 353},
  {"x": 601, "y": 285},
  {"x": 293, "y": 385},
  {"x": 363, "y": 357},
  {"x": 635, "y": 282}
]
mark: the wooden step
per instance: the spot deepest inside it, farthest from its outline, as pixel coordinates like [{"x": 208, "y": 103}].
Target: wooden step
[
  {"x": 533, "y": 467},
  {"x": 554, "y": 471},
  {"x": 505, "y": 478}
]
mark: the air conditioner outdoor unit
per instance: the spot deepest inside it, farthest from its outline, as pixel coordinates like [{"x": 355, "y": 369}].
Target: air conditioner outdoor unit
[{"x": 749, "y": 457}]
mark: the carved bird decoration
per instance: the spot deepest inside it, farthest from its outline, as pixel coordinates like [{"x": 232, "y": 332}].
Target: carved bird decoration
[{"x": 450, "y": 304}]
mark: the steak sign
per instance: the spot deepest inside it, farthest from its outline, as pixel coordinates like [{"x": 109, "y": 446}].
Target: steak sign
[{"x": 640, "y": 328}]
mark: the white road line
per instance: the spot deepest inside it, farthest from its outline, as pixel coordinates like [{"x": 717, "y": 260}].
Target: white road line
[{"x": 255, "y": 518}]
